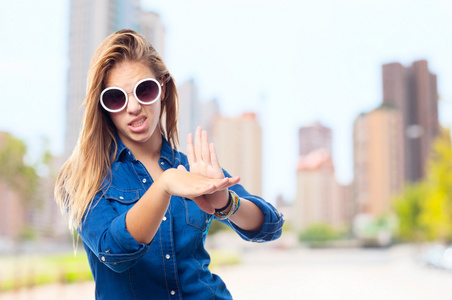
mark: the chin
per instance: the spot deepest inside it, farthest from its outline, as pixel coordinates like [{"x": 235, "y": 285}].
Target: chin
[
  {"x": 138, "y": 137},
  {"x": 142, "y": 137}
]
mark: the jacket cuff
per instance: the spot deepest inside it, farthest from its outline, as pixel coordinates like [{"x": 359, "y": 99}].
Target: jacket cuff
[
  {"x": 129, "y": 249},
  {"x": 271, "y": 229}
]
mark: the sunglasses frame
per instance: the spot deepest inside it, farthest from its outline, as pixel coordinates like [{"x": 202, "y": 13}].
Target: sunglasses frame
[{"x": 159, "y": 85}]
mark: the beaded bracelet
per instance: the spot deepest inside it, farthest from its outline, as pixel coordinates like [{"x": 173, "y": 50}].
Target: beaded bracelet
[
  {"x": 226, "y": 206},
  {"x": 234, "y": 208}
]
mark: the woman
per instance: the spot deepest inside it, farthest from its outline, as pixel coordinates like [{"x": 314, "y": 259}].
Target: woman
[{"x": 142, "y": 216}]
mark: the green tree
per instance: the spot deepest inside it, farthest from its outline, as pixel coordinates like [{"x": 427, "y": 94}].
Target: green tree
[
  {"x": 425, "y": 208},
  {"x": 436, "y": 212},
  {"x": 19, "y": 176},
  {"x": 408, "y": 207},
  {"x": 318, "y": 234}
]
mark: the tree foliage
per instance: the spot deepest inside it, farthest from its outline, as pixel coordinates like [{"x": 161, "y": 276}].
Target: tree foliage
[
  {"x": 425, "y": 208},
  {"x": 19, "y": 176},
  {"x": 318, "y": 233},
  {"x": 408, "y": 207}
]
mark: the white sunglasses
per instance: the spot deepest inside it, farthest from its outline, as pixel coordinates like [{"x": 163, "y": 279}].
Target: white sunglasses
[{"x": 146, "y": 91}]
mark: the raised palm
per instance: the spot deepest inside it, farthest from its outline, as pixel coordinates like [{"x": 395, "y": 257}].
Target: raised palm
[{"x": 203, "y": 160}]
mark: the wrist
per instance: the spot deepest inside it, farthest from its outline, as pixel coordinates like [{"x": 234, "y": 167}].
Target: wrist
[
  {"x": 162, "y": 182},
  {"x": 232, "y": 209},
  {"x": 227, "y": 206}
]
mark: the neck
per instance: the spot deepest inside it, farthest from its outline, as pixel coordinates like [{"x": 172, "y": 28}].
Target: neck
[{"x": 149, "y": 150}]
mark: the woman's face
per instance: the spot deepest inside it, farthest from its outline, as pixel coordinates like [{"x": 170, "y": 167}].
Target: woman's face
[{"x": 137, "y": 122}]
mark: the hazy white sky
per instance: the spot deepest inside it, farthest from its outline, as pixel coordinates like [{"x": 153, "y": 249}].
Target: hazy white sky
[{"x": 292, "y": 62}]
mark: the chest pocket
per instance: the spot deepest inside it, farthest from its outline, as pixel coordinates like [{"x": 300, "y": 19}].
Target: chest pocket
[
  {"x": 122, "y": 201},
  {"x": 196, "y": 217}
]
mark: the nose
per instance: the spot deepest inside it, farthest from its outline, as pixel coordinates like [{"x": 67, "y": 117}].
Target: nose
[{"x": 133, "y": 106}]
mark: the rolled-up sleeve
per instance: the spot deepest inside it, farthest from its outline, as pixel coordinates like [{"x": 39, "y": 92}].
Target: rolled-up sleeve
[
  {"x": 272, "y": 227},
  {"x": 273, "y": 219},
  {"x": 104, "y": 231}
]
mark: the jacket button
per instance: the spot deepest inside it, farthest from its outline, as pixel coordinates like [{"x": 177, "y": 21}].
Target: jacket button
[
  {"x": 173, "y": 293},
  {"x": 103, "y": 258}
]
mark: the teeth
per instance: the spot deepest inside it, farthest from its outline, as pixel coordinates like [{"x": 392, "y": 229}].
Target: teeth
[{"x": 138, "y": 123}]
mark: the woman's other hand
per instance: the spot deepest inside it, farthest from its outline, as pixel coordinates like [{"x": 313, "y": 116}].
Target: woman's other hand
[
  {"x": 203, "y": 160},
  {"x": 194, "y": 186}
]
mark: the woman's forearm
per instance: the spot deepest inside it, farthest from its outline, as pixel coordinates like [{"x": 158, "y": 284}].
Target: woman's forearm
[
  {"x": 249, "y": 217},
  {"x": 144, "y": 218}
]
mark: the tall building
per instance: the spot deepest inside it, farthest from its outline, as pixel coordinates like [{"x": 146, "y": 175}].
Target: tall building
[
  {"x": 238, "y": 142},
  {"x": 151, "y": 26},
  {"x": 316, "y": 187},
  {"x": 188, "y": 111},
  {"x": 194, "y": 113},
  {"x": 13, "y": 211},
  {"x": 378, "y": 160},
  {"x": 46, "y": 218},
  {"x": 319, "y": 198},
  {"x": 90, "y": 23},
  {"x": 413, "y": 90},
  {"x": 314, "y": 136},
  {"x": 39, "y": 215}
]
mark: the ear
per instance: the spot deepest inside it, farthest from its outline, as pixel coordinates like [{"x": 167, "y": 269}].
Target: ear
[{"x": 163, "y": 85}]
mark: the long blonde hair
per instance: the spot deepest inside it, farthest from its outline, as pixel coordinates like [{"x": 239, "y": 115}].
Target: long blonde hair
[{"x": 82, "y": 175}]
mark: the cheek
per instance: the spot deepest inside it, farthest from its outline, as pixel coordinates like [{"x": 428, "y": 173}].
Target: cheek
[
  {"x": 115, "y": 118},
  {"x": 154, "y": 111}
]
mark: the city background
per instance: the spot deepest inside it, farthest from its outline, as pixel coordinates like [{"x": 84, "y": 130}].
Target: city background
[{"x": 335, "y": 112}]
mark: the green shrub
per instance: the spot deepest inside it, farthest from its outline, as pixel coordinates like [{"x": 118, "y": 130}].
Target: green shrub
[{"x": 317, "y": 234}]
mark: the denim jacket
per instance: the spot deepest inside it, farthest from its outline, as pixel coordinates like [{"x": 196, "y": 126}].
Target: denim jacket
[{"x": 174, "y": 265}]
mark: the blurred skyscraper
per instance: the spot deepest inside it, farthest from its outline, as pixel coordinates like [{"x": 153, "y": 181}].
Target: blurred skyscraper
[
  {"x": 90, "y": 23},
  {"x": 314, "y": 136},
  {"x": 319, "y": 197},
  {"x": 413, "y": 90},
  {"x": 151, "y": 26},
  {"x": 28, "y": 217},
  {"x": 193, "y": 112},
  {"x": 188, "y": 111},
  {"x": 238, "y": 142},
  {"x": 378, "y": 160},
  {"x": 13, "y": 211},
  {"x": 316, "y": 187}
]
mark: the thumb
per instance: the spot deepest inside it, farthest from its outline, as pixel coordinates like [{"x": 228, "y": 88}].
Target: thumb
[
  {"x": 203, "y": 204},
  {"x": 181, "y": 167}
]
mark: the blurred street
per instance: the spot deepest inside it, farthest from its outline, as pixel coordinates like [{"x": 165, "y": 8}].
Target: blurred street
[
  {"x": 336, "y": 274},
  {"x": 301, "y": 273}
]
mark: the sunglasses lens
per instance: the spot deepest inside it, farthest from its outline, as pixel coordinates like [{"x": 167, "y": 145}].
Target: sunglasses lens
[
  {"x": 147, "y": 91},
  {"x": 114, "y": 99}
]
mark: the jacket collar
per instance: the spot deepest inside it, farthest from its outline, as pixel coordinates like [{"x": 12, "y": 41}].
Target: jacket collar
[{"x": 166, "y": 153}]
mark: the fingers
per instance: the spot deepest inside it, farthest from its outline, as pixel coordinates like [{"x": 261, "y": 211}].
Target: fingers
[
  {"x": 198, "y": 150},
  {"x": 201, "y": 201},
  {"x": 225, "y": 183},
  {"x": 233, "y": 180},
  {"x": 181, "y": 167},
  {"x": 205, "y": 147},
  {"x": 203, "y": 204},
  {"x": 197, "y": 187},
  {"x": 213, "y": 157},
  {"x": 190, "y": 150},
  {"x": 202, "y": 156}
]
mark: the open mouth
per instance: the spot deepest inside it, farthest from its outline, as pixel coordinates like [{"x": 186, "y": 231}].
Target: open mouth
[{"x": 138, "y": 123}]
